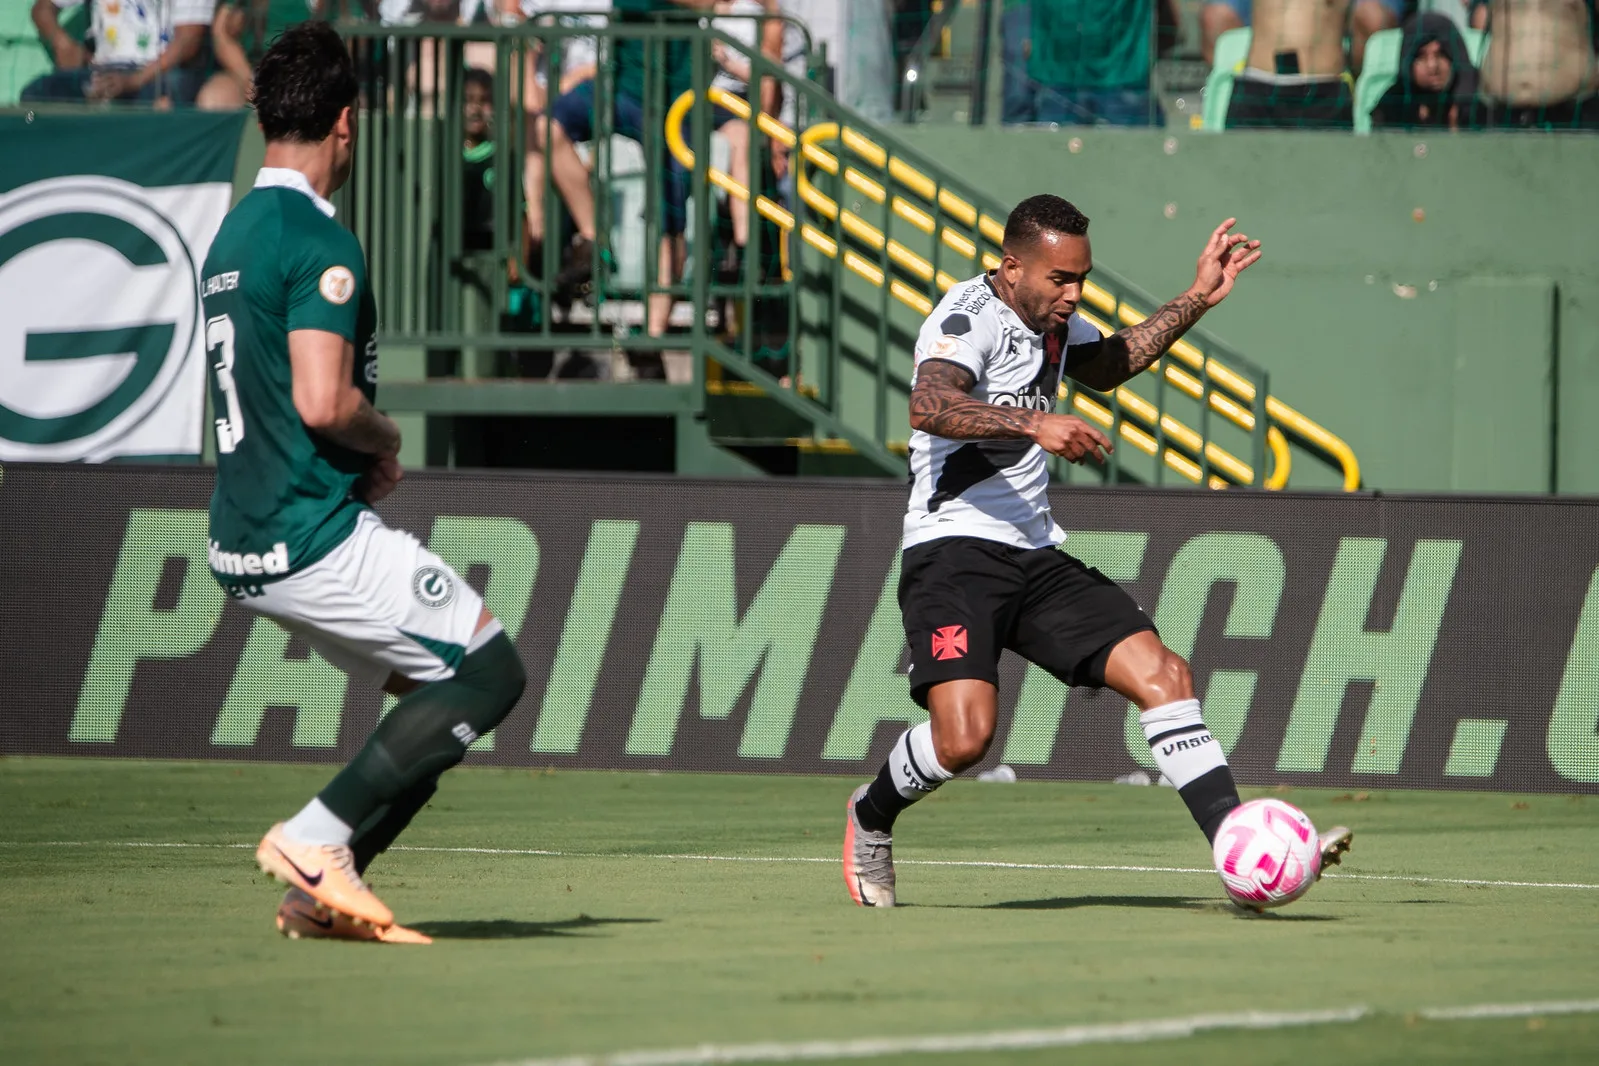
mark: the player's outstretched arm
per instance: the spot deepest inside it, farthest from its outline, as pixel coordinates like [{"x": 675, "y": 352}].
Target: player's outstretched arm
[
  {"x": 1130, "y": 351},
  {"x": 942, "y": 405},
  {"x": 327, "y": 400}
]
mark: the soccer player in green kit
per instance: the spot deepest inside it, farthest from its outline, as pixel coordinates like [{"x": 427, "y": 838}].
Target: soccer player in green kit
[{"x": 301, "y": 456}]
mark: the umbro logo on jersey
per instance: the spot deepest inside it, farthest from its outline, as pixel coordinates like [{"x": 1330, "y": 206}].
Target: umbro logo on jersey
[
  {"x": 949, "y": 642},
  {"x": 432, "y": 587}
]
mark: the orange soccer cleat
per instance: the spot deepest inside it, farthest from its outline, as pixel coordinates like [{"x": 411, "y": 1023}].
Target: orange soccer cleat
[
  {"x": 301, "y": 917},
  {"x": 325, "y": 872}
]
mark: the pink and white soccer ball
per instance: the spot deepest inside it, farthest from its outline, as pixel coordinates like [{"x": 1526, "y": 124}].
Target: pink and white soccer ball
[{"x": 1267, "y": 853}]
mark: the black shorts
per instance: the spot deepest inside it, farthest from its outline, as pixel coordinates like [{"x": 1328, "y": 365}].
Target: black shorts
[
  {"x": 965, "y": 600},
  {"x": 1312, "y": 105}
]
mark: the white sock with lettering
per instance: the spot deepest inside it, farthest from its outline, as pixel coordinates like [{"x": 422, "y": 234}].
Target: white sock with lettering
[
  {"x": 1192, "y": 760},
  {"x": 1183, "y": 746},
  {"x": 315, "y": 824},
  {"x": 914, "y": 764}
]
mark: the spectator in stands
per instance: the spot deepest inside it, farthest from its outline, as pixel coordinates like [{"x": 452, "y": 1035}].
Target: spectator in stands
[
  {"x": 240, "y": 33},
  {"x": 1540, "y": 70},
  {"x": 573, "y": 123},
  {"x": 477, "y": 160},
  {"x": 1016, "y": 89},
  {"x": 741, "y": 20},
  {"x": 1437, "y": 82},
  {"x": 1364, "y": 18},
  {"x": 578, "y": 64},
  {"x": 138, "y": 53},
  {"x": 1296, "y": 74},
  {"x": 1088, "y": 62}
]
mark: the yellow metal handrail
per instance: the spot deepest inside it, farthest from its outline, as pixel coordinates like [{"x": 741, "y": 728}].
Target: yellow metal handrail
[{"x": 993, "y": 231}]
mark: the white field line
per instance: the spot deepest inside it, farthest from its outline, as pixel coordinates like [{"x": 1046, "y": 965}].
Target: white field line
[
  {"x": 1509, "y": 1010},
  {"x": 1032, "y": 1039},
  {"x": 1004, "y": 1040},
  {"x": 1415, "y": 879}
]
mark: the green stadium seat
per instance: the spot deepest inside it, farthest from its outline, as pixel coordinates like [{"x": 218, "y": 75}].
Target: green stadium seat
[
  {"x": 1232, "y": 50},
  {"x": 1381, "y": 69}
]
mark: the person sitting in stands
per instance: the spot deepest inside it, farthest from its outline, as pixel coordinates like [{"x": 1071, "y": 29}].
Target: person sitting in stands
[
  {"x": 1088, "y": 62},
  {"x": 137, "y": 53},
  {"x": 1296, "y": 75},
  {"x": 1539, "y": 72},
  {"x": 1437, "y": 82},
  {"x": 1366, "y": 17}
]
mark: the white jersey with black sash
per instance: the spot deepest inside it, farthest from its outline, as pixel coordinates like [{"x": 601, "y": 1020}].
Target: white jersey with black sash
[{"x": 993, "y": 489}]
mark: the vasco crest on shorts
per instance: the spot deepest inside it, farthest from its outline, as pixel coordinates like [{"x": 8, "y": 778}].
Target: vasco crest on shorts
[{"x": 432, "y": 587}]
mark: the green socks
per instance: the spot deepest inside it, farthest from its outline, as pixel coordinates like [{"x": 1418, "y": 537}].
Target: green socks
[{"x": 425, "y": 734}]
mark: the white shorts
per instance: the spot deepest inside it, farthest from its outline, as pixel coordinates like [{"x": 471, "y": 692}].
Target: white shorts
[{"x": 379, "y": 604}]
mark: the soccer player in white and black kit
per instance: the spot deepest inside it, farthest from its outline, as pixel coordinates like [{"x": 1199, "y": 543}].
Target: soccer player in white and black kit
[{"x": 982, "y": 569}]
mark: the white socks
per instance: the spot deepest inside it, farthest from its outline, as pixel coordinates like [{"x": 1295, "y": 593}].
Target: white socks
[
  {"x": 1183, "y": 747},
  {"x": 317, "y": 825},
  {"x": 914, "y": 765}
]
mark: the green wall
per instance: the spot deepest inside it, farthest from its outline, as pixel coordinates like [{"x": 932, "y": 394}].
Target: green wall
[{"x": 1432, "y": 300}]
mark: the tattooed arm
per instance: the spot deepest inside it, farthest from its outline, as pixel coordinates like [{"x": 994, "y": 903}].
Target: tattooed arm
[
  {"x": 942, "y": 405},
  {"x": 1125, "y": 354},
  {"x": 1129, "y": 352}
]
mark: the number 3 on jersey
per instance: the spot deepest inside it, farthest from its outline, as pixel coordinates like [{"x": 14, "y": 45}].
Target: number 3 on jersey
[{"x": 219, "y": 334}]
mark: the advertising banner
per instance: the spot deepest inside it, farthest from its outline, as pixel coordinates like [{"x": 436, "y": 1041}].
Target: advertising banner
[
  {"x": 104, "y": 223},
  {"x": 1347, "y": 641}
]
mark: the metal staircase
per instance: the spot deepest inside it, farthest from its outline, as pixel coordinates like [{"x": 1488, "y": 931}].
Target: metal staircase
[{"x": 801, "y": 358}]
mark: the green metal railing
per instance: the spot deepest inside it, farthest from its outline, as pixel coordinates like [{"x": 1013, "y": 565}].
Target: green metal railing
[{"x": 838, "y": 274}]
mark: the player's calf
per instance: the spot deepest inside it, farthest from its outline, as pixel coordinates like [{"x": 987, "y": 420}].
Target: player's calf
[
  {"x": 913, "y": 770},
  {"x": 426, "y": 733},
  {"x": 1192, "y": 760},
  {"x": 1158, "y": 680}
]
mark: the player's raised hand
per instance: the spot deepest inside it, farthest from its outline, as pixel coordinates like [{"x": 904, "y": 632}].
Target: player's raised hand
[
  {"x": 1071, "y": 438},
  {"x": 1226, "y": 255},
  {"x": 381, "y": 480}
]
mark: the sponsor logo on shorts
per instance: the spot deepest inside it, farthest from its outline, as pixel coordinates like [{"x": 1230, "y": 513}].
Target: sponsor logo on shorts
[
  {"x": 432, "y": 587},
  {"x": 949, "y": 642}
]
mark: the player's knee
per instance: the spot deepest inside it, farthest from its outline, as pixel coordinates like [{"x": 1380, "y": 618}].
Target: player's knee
[
  {"x": 1166, "y": 680},
  {"x": 961, "y": 749},
  {"x": 495, "y": 670}
]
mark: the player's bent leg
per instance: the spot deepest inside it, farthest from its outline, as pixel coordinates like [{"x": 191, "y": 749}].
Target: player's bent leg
[
  {"x": 956, "y": 736},
  {"x": 1157, "y": 679},
  {"x": 429, "y": 730}
]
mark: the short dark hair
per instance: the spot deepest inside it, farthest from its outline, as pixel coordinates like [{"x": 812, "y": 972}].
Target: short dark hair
[
  {"x": 1044, "y": 213},
  {"x": 479, "y": 77},
  {"x": 302, "y": 83}
]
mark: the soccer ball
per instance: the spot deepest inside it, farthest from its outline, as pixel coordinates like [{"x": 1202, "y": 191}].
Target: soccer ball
[{"x": 1267, "y": 854}]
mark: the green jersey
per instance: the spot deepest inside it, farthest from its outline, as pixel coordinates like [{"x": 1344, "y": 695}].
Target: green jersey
[
  {"x": 280, "y": 263},
  {"x": 1091, "y": 44},
  {"x": 630, "y": 54},
  {"x": 265, "y": 20}
]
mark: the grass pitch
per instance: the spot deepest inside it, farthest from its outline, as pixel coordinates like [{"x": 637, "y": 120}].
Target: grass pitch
[{"x": 614, "y": 938}]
